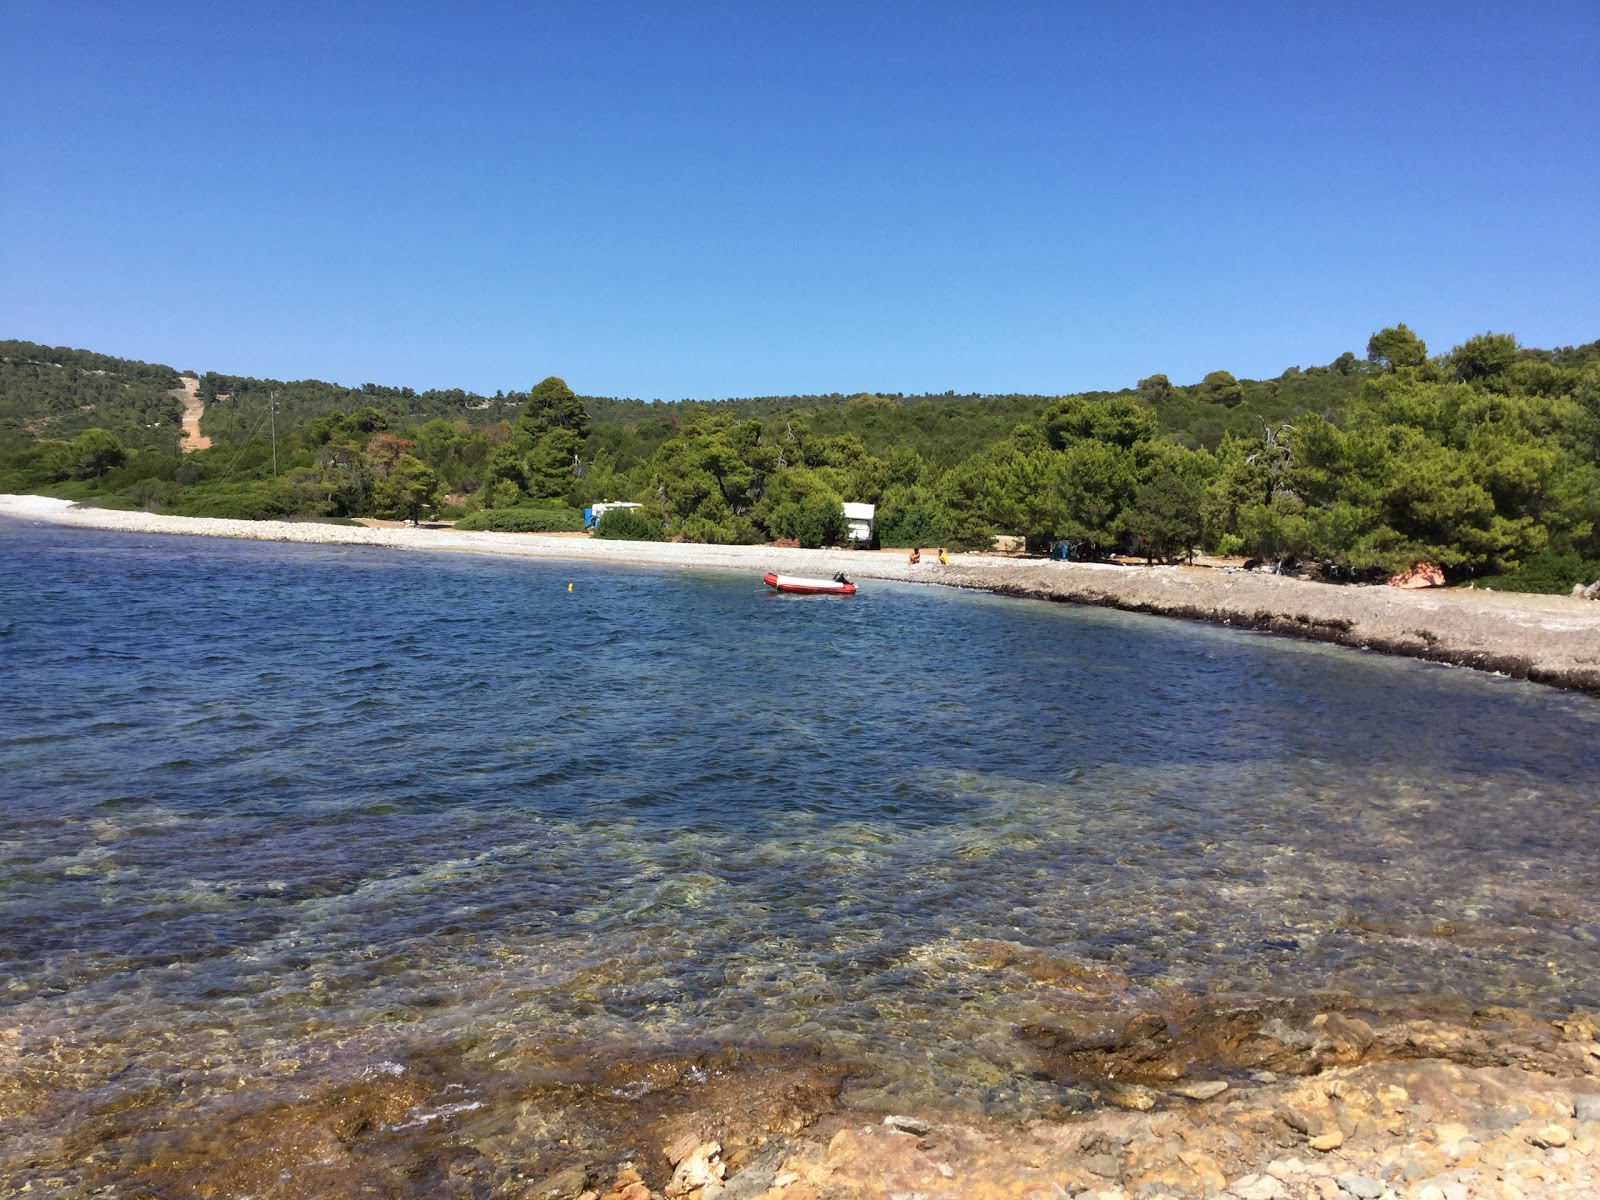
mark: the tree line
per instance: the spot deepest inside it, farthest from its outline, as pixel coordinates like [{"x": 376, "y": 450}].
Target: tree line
[{"x": 1484, "y": 460}]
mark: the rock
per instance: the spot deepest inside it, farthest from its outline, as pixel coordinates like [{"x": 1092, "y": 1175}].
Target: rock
[
  {"x": 1331, "y": 1139},
  {"x": 911, "y": 1125},
  {"x": 628, "y": 1186},
  {"x": 1413, "y": 1168},
  {"x": 752, "y": 1174},
  {"x": 683, "y": 1147},
  {"x": 784, "y": 1180},
  {"x": 1586, "y": 1106},
  {"x": 1256, "y": 1187},
  {"x": 701, "y": 1169},
  {"x": 1205, "y": 1170},
  {"x": 564, "y": 1184},
  {"x": 1550, "y": 1137},
  {"x": 1134, "y": 1096},
  {"x": 1463, "y": 1153},
  {"x": 1102, "y": 1164},
  {"x": 1363, "y": 1186},
  {"x": 1201, "y": 1090},
  {"x": 1340, "y": 1038}
]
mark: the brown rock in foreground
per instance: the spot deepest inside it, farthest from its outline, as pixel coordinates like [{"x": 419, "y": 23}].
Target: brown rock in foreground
[
  {"x": 1491, "y": 1104},
  {"x": 1422, "y": 1130}
]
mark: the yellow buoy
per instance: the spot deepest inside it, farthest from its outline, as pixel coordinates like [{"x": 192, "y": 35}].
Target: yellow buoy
[{"x": 569, "y": 587}]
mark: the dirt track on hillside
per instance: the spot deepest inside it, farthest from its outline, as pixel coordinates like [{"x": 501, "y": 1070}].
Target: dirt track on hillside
[{"x": 189, "y": 392}]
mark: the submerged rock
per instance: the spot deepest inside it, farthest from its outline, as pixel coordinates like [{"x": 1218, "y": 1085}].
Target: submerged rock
[
  {"x": 1201, "y": 1090},
  {"x": 699, "y": 1172},
  {"x": 912, "y": 1125}
]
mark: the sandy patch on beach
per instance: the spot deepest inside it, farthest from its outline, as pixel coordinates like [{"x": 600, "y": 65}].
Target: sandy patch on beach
[
  {"x": 1549, "y": 639},
  {"x": 33, "y": 506}
]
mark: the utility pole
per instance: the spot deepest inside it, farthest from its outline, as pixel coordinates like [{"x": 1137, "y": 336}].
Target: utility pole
[{"x": 274, "y": 435}]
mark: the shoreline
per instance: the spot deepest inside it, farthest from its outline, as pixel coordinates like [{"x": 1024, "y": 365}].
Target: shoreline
[{"x": 1552, "y": 640}]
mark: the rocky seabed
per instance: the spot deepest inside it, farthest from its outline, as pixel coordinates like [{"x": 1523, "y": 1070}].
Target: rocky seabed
[{"x": 1427, "y": 1128}]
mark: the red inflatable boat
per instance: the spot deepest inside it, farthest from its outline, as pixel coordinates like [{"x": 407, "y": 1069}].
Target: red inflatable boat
[{"x": 839, "y": 586}]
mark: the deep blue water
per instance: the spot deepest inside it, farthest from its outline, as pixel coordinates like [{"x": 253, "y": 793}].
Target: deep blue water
[{"x": 293, "y": 801}]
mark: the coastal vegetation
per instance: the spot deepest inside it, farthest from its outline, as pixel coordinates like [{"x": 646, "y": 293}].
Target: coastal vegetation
[{"x": 1484, "y": 460}]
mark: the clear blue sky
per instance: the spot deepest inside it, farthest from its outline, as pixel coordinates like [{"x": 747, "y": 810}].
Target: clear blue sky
[{"x": 713, "y": 199}]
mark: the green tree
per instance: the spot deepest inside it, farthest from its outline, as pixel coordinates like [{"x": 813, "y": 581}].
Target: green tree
[
  {"x": 343, "y": 477},
  {"x": 1117, "y": 420},
  {"x": 550, "y": 432},
  {"x": 1023, "y": 491},
  {"x": 503, "y": 477},
  {"x": 1097, "y": 482},
  {"x": 552, "y": 464},
  {"x": 1483, "y": 357},
  {"x": 408, "y": 490},
  {"x": 912, "y": 515},
  {"x": 1396, "y": 346},
  {"x": 709, "y": 476},
  {"x": 96, "y": 451},
  {"x": 551, "y": 404},
  {"x": 1165, "y": 514},
  {"x": 1220, "y": 387}
]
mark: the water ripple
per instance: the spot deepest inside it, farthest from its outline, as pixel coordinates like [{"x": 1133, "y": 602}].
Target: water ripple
[{"x": 254, "y": 791}]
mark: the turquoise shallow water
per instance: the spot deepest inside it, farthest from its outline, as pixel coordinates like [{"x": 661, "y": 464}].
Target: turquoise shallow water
[{"x": 272, "y": 810}]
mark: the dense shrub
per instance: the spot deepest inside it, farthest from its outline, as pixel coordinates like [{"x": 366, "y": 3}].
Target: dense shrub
[
  {"x": 153, "y": 493},
  {"x": 258, "y": 500},
  {"x": 628, "y": 525},
  {"x": 913, "y": 527},
  {"x": 1550, "y": 574},
  {"x": 524, "y": 520},
  {"x": 813, "y": 520}
]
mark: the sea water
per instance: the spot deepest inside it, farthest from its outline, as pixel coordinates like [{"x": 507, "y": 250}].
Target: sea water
[{"x": 277, "y": 819}]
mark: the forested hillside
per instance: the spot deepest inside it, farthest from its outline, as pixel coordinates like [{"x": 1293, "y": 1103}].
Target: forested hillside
[
  {"x": 53, "y": 393},
  {"x": 236, "y": 405},
  {"x": 1485, "y": 460}
]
